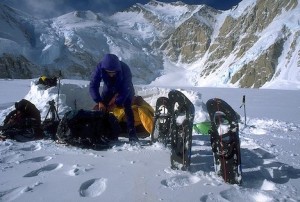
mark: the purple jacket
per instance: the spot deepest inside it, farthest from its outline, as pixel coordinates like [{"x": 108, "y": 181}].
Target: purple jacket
[{"x": 120, "y": 84}]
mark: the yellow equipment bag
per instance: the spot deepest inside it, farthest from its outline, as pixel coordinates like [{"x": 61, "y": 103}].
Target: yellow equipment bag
[{"x": 143, "y": 113}]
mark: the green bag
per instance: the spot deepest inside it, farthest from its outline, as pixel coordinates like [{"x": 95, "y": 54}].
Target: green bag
[{"x": 202, "y": 127}]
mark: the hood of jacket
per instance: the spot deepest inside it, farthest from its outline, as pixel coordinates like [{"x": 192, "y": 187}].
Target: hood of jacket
[{"x": 111, "y": 62}]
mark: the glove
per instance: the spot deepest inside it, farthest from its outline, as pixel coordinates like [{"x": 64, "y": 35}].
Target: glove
[{"x": 101, "y": 107}]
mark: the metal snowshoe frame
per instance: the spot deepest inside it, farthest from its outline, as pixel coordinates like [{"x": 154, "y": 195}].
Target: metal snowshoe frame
[
  {"x": 171, "y": 130},
  {"x": 225, "y": 145},
  {"x": 162, "y": 121},
  {"x": 183, "y": 113}
]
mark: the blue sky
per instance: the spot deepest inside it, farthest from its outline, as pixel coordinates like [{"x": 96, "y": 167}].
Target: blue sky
[{"x": 53, "y": 8}]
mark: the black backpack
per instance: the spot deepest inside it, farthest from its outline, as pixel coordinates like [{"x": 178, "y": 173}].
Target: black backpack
[
  {"x": 22, "y": 124},
  {"x": 88, "y": 129},
  {"x": 20, "y": 128}
]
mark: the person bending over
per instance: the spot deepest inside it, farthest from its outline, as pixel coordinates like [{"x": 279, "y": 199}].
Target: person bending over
[{"x": 117, "y": 89}]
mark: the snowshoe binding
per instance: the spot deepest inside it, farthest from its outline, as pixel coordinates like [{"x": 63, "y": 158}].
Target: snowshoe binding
[{"x": 162, "y": 121}]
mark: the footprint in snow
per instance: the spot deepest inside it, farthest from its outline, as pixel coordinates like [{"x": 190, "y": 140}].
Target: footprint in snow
[
  {"x": 180, "y": 181},
  {"x": 47, "y": 168},
  {"x": 37, "y": 159},
  {"x": 14, "y": 193},
  {"x": 33, "y": 147},
  {"x": 77, "y": 170},
  {"x": 11, "y": 194},
  {"x": 236, "y": 194},
  {"x": 10, "y": 158},
  {"x": 92, "y": 188},
  {"x": 212, "y": 197},
  {"x": 5, "y": 145}
]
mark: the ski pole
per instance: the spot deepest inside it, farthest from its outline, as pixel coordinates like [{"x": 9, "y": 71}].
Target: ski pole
[
  {"x": 244, "y": 104},
  {"x": 75, "y": 104},
  {"x": 59, "y": 76}
]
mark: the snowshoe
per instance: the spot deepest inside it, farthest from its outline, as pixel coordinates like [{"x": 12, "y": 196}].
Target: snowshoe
[
  {"x": 162, "y": 121},
  {"x": 183, "y": 112},
  {"x": 225, "y": 143}
]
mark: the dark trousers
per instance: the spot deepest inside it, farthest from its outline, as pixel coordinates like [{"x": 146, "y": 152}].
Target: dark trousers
[{"x": 107, "y": 96}]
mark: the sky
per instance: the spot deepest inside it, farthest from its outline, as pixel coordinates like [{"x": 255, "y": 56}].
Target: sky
[{"x": 54, "y": 8}]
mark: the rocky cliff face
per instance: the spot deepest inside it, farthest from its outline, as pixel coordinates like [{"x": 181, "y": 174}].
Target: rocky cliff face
[
  {"x": 194, "y": 40},
  {"x": 239, "y": 35},
  {"x": 253, "y": 43},
  {"x": 17, "y": 67}
]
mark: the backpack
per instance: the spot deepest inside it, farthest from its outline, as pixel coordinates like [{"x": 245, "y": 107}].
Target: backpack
[
  {"x": 48, "y": 82},
  {"x": 88, "y": 129},
  {"x": 22, "y": 124},
  {"x": 20, "y": 128}
]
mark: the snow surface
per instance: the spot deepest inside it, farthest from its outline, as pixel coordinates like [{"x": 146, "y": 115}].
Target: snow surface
[{"x": 45, "y": 171}]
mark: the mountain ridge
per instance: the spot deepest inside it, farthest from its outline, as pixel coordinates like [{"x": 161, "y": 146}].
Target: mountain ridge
[{"x": 252, "y": 45}]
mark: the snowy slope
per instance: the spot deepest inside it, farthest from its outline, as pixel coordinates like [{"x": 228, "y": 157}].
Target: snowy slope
[{"x": 45, "y": 171}]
